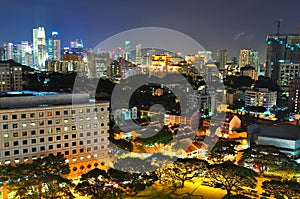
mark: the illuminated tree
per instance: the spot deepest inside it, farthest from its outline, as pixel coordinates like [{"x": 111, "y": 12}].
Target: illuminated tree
[
  {"x": 231, "y": 176},
  {"x": 97, "y": 184},
  {"x": 43, "y": 178},
  {"x": 175, "y": 174}
]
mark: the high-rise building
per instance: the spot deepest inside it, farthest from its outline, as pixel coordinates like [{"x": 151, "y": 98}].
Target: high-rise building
[
  {"x": 97, "y": 64},
  {"x": 281, "y": 48},
  {"x": 56, "y": 46},
  {"x": 24, "y": 53},
  {"x": 2, "y": 54},
  {"x": 287, "y": 73},
  {"x": 9, "y": 49},
  {"x": 222, "y": 58},
  {"x": 39, "y": 47},
  {"x": 127, "y": 50},
  {"x": 138, "y": 54},
  {"x": 53, "y": 47},
  {"x": 249, "y": 57},
  {"x": 294, "y": 96},
  {"x": 10, "y": 76},
  {"x": 50, "y": 55}
]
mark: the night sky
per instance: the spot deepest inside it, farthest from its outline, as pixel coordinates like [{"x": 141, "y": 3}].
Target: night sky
[{"x": 215, "y": 24}]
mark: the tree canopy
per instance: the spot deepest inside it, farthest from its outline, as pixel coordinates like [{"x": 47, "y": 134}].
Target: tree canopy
[
  {"x": 268, "y": 158},
  {"x": 288, "y": 188},
  {"x": 43, "y": 178},
  {"x": 230, "y": 176}
]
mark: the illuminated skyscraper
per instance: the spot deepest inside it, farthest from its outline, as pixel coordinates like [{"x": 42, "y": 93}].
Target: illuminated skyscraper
[
  {"x": 222, "y": 56},
  {"x": 138, "y": 54},
  {"x": 281, "y": 48},
  {"x": 249, "y": 57},
  {"x": 53, "y": 47},
  {"x": 24, "y": 53},
  {"x": 39, "y": 47},
  {"x": 56, "y": 46},
  {"x": 127, "y": 49},
  {"x": 2, "y": 54},
  {"x": 9, "y": 49}
]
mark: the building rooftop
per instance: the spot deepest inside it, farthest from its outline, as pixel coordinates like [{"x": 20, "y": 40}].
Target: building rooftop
[
  {"x": 26, "y": 99},
  {"x": 281, "y": 131}
]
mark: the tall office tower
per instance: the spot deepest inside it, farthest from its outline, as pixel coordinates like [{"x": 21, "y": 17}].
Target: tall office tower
[
  {"x": 294, "y": 96},
  {"x": 24, "y": 53},
  {"x": 138, "y": 54},
  {"x": 222, "y": 58},
  {"x": 56, "y": 46},
  {"x": 127, "y": 49},
  {"x": 9, "y": 49},
  {"x": 249, "y": 57},
  {"x": 10, "y": 76},
  {"x": 281, "y": 48},
  {"x": 2, "y": 54},
  {"x": 39, "y": 47},
  {"x": 50, "y": 55}
]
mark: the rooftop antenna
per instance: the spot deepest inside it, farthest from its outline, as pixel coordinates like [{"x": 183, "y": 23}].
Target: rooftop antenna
[{"x": 278, "y": 21}]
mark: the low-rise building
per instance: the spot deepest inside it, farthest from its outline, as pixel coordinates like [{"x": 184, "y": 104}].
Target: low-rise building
[
  {"x": 286, "y": 137},
  {"x": 260, "y": 97}
]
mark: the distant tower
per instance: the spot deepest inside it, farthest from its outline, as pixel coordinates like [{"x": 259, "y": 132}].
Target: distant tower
[
  {"x": 249, "y": 57},
  {"x": 9, "y": 48},
  {"x": 24, "y": 53},
  {"x": 56, "y": 46},
  {"x": 39, "y": 47},
  {"x": 127, "y": 49},
  {"x": 222, "y": 58},
  {"x": 138, "y": 54},
  {"x": 50, "y": 49}
]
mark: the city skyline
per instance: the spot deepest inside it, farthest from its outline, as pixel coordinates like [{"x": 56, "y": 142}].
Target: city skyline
[{"x": 215, "y": 24}]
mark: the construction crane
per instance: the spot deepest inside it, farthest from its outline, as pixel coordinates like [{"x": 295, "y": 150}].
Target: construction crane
[{"x": 278, "y": 21}]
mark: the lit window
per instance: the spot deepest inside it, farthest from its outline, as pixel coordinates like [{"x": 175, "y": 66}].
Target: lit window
[{"x": 6, "y": 144}]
